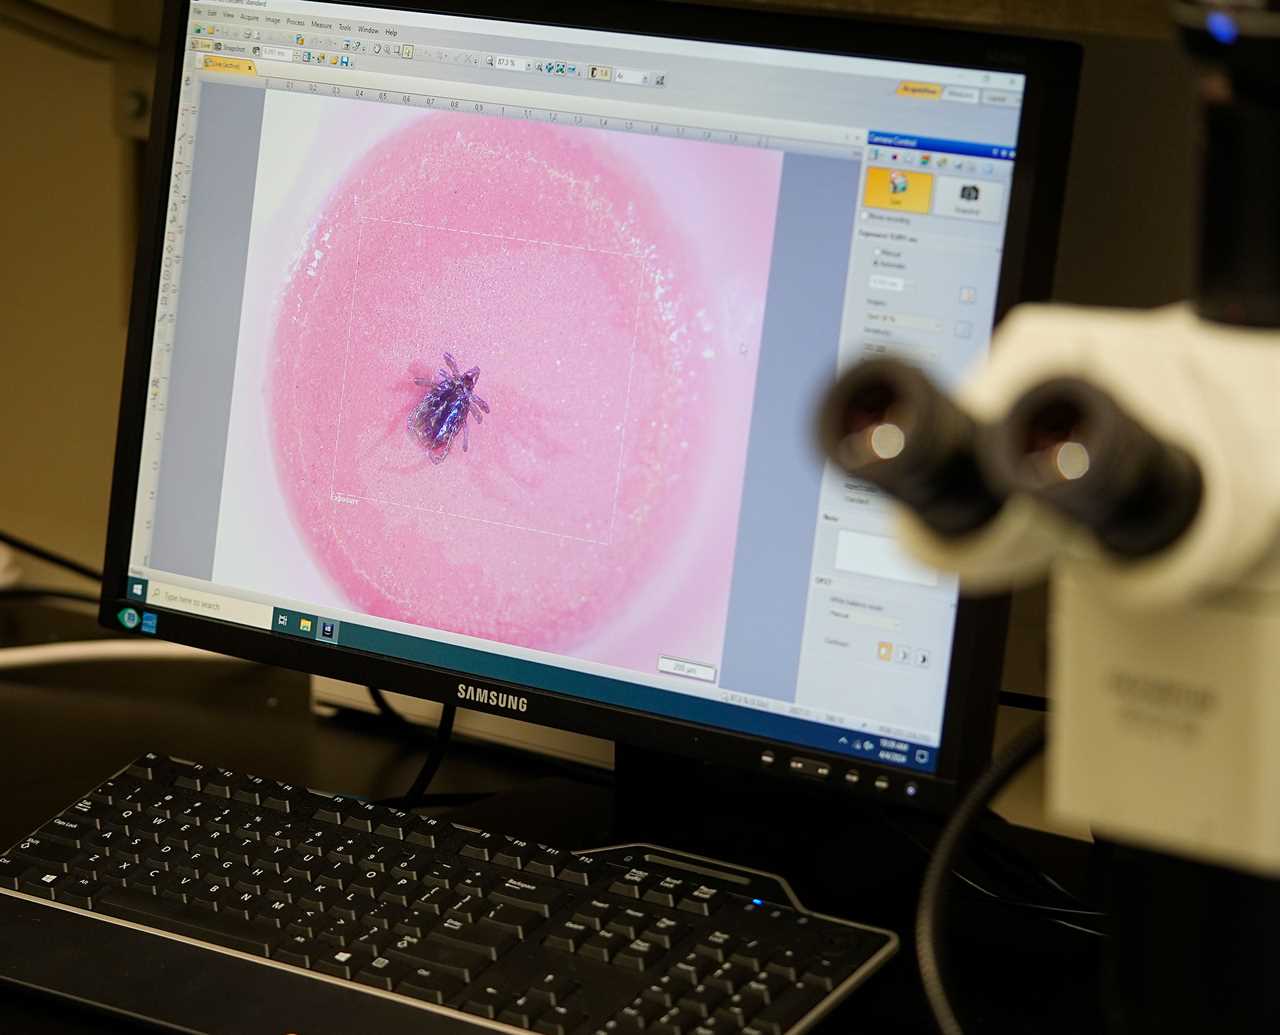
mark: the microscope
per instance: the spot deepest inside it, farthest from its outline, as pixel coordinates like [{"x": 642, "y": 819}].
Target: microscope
[{"x": 1132, "y": 458}]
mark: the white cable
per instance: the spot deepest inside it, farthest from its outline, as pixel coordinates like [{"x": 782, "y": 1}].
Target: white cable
[
  {"x": 83, "y": 651},
  {"x": 10, "y": 573}
]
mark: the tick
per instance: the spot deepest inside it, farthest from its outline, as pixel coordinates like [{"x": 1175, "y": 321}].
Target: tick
[{"x": 436, "y": 421}]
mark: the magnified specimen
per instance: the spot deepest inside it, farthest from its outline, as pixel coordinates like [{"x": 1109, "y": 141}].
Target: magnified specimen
[{"x": 436, "y": 421}]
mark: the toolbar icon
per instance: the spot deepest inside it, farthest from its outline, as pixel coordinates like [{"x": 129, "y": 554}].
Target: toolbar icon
[{"x": 299, "y": 41}]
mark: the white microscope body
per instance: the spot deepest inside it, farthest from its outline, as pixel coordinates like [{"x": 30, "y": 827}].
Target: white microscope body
[{"x": 1165, "y": 669}]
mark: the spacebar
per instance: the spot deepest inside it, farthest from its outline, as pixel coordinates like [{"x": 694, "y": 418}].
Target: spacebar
[{"x": 167, "y": 915}]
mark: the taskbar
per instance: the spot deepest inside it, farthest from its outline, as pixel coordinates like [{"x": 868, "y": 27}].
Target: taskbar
[{"x": 521, "y": 672}]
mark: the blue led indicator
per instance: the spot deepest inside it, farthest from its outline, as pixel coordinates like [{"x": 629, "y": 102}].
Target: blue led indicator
[
  {"x": 1222, "y": 27},
  {"x": 758, "y": 901}
]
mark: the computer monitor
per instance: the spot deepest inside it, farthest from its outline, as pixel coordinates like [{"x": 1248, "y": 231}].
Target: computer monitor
[{"x": 476, "y": 357}]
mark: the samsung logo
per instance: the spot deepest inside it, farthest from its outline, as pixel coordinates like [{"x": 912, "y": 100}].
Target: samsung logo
[{"x": 479, "y": 695}]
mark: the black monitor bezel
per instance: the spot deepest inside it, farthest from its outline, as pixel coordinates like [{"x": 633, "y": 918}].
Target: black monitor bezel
[{"x": 1052, "y": 70}]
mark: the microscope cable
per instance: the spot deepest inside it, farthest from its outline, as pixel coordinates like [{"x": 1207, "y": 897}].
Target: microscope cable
[{"x": 935, "y": 893}]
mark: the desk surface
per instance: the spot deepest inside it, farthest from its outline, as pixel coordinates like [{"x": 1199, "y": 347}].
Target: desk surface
[{"x": 65, "y": 729}]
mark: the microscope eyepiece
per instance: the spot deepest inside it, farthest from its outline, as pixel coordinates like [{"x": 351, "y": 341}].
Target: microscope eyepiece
[
  {"x": 1070, "y": 445},
  {"x": 886, "y": 423}
]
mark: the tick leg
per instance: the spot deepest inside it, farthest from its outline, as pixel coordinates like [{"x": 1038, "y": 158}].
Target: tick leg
[
  {"x": 425, "y": 382},
  {"x": 476, "y": 415},
  {"x": 466, "y": 438},
  {"x": 451, "y": 364},
  {"x": 480, "y": 402}
]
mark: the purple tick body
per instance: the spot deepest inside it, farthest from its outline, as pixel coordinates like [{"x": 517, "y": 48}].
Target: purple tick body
[{"x": 443, "y": 411}]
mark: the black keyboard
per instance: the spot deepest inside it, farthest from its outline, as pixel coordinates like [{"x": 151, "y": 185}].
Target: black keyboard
[{"x": 483, "y": 931}]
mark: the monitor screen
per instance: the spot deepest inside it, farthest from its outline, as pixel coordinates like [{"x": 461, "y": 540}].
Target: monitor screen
[{"x": 494, "y": 347}]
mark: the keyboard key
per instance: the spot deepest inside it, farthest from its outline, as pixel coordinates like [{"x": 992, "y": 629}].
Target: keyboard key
[
  {"x": 369, "y": 883},
  {"x": 393, "y": 824},
  {"x": 429, "y": 984},
  {"x": 638, "y": 956},
  {"x": 779, "y": 1017},
  {"x": 520, "y": 922},
  {"x": 567, "y": 937},
  {"x": 40, "y": 881},
  {"x": 475, "y": 882},
  {"x": 631, "y": 884},
  {"x": 537, "y": 898},
  {"x": 80, "y": 891},
  {"x": 560, "y": 1020},
  {"x": 188, "y": 777},
  {"x": 715, "y": 946},
  {"x": 594, "y": 913},
  {"x": 702, "y": 900},
  {"x": 148, "y": 766},
  {"x": 281, "y": 797},
  {"x": 43, "y": 852},
  {"x": 339, "y": 930},
  {"x": 694, "y": 967},
  {"x": 369, "y": 943},
  {"x": 546, "y": 862},
  {"x": 334, "y": 810},
  {"x": 300, "y": 950},
  {"x": 702, "y": 1000},
  {"x": 465, "y": 908},
  {"x": 168, "y": 915},
  {"x": 487, "y": 939},
  {"x": 742, "y": 1006},
  {"x": 825, "y": 974},
  {"x": 426, "y": 833},
  {"x": 665, "y": 892},
  {"x": 66, "y": 830},
  {"x": 434, "y": 902},
  {"x": 729, "y": 977},
  {"x": 523, "y": 1011},
  {"x": 580, "y": 869},
  {"x": 665, "y": 933},
  {"x": 460, "y": 963},
  {"x": 338, "y": 963},
  {"x": 486, "y": 1001},
  {"x": 554, "y": 988},
  {"x": 628, "y": 923},
  {"x": 601, "y": 946},
  {"x": 513, "y": 853},
  {"x": 675, "y": 1022},
  {"x": 10, "y": 870},
  {"x": 382, "y": 973},
  {"x": 639, "y": 1015},
  {"x": 478, "y": 846},
  {"x": 362, "y": 816},
  {"x": 219, "y": 782},
  {"x": 666, "y": 990}
]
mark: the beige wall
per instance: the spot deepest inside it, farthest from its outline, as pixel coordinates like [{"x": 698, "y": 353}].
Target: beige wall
[{"x": 67, "y": 182}]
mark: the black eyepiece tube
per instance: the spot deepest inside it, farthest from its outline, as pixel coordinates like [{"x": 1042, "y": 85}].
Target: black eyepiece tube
[
  {"x": 885, "y": 422},
  {"x": 1070, "y": 445}
]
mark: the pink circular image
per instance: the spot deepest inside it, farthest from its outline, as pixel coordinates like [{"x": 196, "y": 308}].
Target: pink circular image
[{"x": 491, "y": 396}]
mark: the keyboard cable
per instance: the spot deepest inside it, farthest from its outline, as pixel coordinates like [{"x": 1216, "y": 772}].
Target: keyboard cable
[
  {"x": 49, "y": 556},
  {"x": 935, "y": 893}
]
